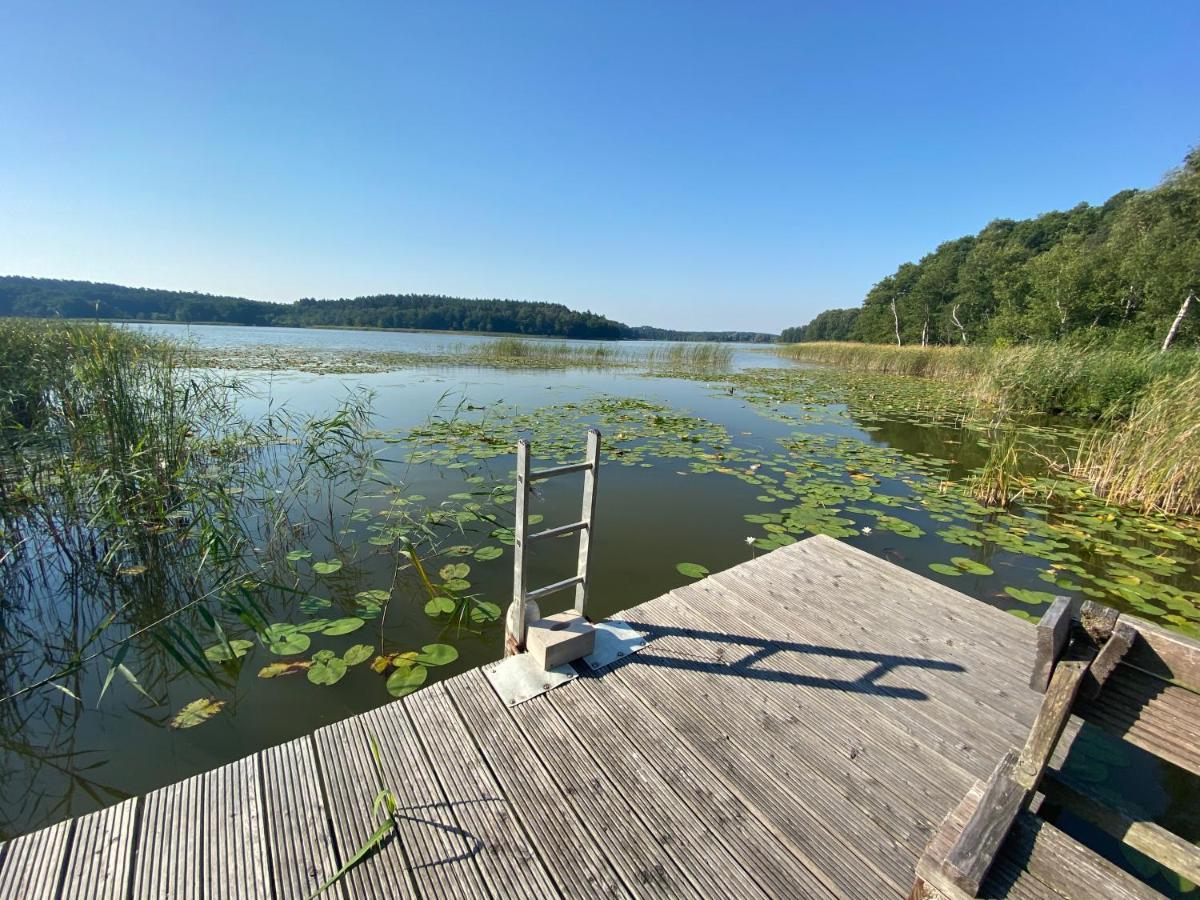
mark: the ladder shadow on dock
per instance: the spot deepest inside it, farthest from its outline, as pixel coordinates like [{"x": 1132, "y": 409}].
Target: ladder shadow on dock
[{"x": 760, "y": 649}]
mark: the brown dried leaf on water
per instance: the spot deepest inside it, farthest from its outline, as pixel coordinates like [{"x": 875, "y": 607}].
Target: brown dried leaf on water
[
  {"x": 197, "y": 712},
  {"x": 277, "y": 669}
]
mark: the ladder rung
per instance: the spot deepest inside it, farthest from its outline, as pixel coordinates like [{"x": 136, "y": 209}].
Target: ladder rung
[
  {"x": 556, "y": 532},
  {"x": 559, "y": 470},
  {"x": 553, "y": 588}
]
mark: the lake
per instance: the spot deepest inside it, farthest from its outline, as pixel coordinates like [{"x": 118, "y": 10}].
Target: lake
[{"x": 702, "y": 467}]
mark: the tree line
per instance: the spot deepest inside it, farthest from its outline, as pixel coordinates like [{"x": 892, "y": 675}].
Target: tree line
[
  {"x": 1125, "y": 271},
  {"x": 55, "y": 298}
]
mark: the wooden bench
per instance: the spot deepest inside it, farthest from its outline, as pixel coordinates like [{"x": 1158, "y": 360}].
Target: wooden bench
[{"x": 1135, "y": 680}]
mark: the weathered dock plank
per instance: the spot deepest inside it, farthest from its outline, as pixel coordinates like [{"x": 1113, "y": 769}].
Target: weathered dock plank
[
  {"x": 296, "y": 821},
  {"x": 797, "y": 726},
  {"x": 32, "y": 864},
  {"x": 98, "y": 865}
]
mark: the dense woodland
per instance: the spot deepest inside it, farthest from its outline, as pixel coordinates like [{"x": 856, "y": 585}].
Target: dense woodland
[
  {"x": 53, "y": 298},
  {"x": 1120, "y": 271}
]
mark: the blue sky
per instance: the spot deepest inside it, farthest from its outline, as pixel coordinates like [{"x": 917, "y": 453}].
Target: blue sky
[{"x": 690, "y": 164}]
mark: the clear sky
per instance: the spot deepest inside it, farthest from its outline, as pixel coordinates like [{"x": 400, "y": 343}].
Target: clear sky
[{"x": 688, "y": 164}]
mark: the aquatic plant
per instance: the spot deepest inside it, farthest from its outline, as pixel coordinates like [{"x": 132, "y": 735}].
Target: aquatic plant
[
  {"x": 689, "y": 358},
  {"x": 1152, "y": 461},
  {"x": 1053, "y": 378}
]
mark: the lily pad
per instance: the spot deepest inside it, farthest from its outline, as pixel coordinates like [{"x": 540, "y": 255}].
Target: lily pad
[
  {"x": 405, "y": 680},
  {"x": 453, "y": 571},
  {"x": 284, "y": 640},
  {"x": 488, "y": 552},
  {"x": 437, "y": 655},
  {"x": 327, "y": 567},
  {"x": 691, "y": 570},
  {"x": 297, "y": 555},
  {"x": 943, "y": 569},
  {"x": 1033, "y": 598},
  {"x": 972, "y": 567},
  {"x": 223, "y": 653},
  {"x": 438, "y": 605},
  {"x": 357, "y": 654},
  {"x": 343, "y": 626},
  {"x": 329, "y": 671}
]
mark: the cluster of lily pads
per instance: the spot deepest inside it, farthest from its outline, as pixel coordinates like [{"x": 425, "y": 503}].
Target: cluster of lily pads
[{"x": 838, "y": 475}]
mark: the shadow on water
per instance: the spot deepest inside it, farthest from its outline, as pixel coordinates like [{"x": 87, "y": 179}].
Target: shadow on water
[{"x": 759, "y": 650}]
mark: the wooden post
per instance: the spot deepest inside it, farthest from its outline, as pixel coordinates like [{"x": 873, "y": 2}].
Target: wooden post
[
  {"x": 587, "y": 516},
  {"x": 514, "y": 637}
]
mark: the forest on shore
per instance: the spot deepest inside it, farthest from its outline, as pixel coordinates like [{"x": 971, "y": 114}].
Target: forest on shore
[
  {"x": 60, "y": 299},
  {"x": 1121, "y": 272}
]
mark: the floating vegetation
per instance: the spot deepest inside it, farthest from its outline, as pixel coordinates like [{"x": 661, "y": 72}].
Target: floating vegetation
[{"x": 497, "y": 353}]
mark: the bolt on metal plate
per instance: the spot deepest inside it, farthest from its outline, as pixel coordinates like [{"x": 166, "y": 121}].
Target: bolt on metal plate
[
  {"x": 519, "y": 678},
  {"x": 615, "y": 640}
]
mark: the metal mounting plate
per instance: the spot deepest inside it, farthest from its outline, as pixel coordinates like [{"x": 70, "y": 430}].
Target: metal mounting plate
[
  {"x": 614, "y": 640},
  {"x": 519, "y": 678}
]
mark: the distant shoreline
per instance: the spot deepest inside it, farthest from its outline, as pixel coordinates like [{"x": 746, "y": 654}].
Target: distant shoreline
[{"x": 516, "y": 334}]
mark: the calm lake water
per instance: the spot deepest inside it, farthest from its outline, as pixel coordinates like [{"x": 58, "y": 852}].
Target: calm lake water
[{"x": 708, "y": 469}]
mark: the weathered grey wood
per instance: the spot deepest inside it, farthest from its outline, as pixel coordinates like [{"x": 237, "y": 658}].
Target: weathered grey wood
[
  {"x": 32, "y": 864},
  {"x": 617, "y": 720},
  {"x": 98, "y": 865},
  {"x": 573, "y": 852},
  {"x": 1097, "y": 621},
  {"x": 234, "y": 847},
  {"x": 850, "y": 650},
  {"x": 833, "y": 838},
  {"x": 796, "y": 727},
  {"x": 590, "y": 479},
  {"x": 1159, "y": 717},
  {"x": 973, "y": 852},
  {"x": 642, "y": 858},
  {"x": 352, "y": 782},
  {"x": 890, "y": 765},
  {"x": 440, "y": 854},
  {"x": 1069, "y": 867},
  {"x": 296, "y": 822},
  {"x": 167, "y": 853},
  {"x": 1165, "y": 653},
  {"x": 510, "y": 863},
  {"x": 1004, "y": 878},
  {"x": 1052, "y": 633},
  {"x": 1126, "y": 824},
  {"x": 1112, "y": 651},
  {"x": 1050, "y": 721}
]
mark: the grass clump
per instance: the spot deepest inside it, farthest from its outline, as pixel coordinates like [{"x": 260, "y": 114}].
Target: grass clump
[
  {"x": 690, "y": 357},
  {"x": 1051, "y": 378},
  {"x": 1152, "y": 460},
  {"x": 926, "y": 362}
]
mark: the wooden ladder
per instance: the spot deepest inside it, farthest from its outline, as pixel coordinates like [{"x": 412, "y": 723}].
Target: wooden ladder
[{"x": 524, "y": 602}]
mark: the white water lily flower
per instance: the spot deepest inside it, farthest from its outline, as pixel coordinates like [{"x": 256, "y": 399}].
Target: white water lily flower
[
  {"x": 867, "y": 529},
  {"x": 751, "y": 540}
]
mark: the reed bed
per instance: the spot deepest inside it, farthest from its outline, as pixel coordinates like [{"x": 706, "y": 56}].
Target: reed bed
[
  {"x": 1152, "y": 460},
  {"x": 690, "y": 357},
  {"x": 1052, "y": 379},
  {"x": 882, "y": 359}
]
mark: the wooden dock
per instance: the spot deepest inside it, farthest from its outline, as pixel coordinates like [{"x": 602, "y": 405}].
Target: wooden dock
[{"x": 797, "y": 726}]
